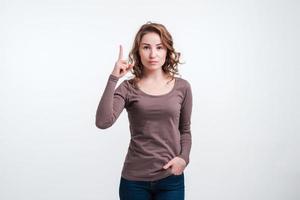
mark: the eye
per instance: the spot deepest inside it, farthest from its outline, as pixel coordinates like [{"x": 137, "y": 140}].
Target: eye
[
  {"x": 160, "y": 47},
  {"x": 145, "y": 47}
]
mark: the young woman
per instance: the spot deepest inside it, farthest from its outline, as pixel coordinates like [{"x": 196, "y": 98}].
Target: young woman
[{"x": 159, "y": 107}]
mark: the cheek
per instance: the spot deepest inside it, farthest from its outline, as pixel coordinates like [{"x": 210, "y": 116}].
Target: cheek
[
  {"x": 163, "y": 56},
  {"x": 143, "y": 57},
  {"x": 142, "y": 54}
]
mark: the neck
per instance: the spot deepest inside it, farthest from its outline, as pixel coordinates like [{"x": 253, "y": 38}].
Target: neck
[{"x": 155, "y": 75}]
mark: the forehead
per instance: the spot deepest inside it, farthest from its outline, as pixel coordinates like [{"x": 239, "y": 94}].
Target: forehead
[{"x": 151, "y": 38}]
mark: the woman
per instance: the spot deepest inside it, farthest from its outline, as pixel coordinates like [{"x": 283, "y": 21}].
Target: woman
[{"x": 159, "y": 106}]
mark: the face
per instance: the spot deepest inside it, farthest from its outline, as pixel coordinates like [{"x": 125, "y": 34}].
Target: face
[{"x": 152, "y": 52}]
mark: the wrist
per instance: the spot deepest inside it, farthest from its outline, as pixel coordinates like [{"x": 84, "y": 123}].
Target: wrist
[{"x": 113, "y": 77}]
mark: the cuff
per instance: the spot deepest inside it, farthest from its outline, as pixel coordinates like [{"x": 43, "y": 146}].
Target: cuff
[{"x": 113, "y": 78}]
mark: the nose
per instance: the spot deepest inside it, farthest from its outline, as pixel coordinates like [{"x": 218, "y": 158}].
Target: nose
[{"x": 153, "y": 53}]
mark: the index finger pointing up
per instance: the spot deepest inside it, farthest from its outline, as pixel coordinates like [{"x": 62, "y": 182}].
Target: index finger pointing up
[{"x": 120, "y": 53}]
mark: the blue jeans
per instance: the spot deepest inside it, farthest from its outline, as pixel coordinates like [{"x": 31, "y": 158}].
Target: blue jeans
[{"x": 169, "y": 188}]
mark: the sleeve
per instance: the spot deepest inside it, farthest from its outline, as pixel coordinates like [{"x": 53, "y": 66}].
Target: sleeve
[
  {"x": 111, "y": 104},
  {"x": 185, "y": 124}
]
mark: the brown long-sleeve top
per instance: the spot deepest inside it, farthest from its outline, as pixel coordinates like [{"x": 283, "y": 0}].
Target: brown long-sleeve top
[{"x": 159, "y": 126}]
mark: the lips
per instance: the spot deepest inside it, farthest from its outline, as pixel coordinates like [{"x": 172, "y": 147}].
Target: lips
[{"x": 153, "y": 62}]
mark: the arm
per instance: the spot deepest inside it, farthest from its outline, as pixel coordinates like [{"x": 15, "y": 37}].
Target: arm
[
  {"x": 111, "y": 104},
  {"x": 185, "y": 125},
  {"x": 113, "y": 101},
  {"x": 179, "y": 163}
]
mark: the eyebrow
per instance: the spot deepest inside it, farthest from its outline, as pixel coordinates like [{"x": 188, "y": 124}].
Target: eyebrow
[{"x": 149, "y": 44}]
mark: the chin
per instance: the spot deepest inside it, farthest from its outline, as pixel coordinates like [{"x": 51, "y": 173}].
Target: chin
[
  {"x": 158, "y": 65},
  {"x": 153, "y": 67}
]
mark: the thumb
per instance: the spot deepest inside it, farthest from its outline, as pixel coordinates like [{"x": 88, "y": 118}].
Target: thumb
[
  {"x": 132, "y": 64},
  {"x": 168, "y": 165}
]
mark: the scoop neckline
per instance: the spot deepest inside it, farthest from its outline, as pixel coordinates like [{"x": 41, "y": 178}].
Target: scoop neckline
[{"x": 159, "y": 95}]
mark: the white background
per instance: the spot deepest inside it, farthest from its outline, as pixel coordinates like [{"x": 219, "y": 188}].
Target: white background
[{"x": 242, "y": 60}]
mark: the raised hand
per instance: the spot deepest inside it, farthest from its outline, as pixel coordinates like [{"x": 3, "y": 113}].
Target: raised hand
[{"x": 121, "y": 66}]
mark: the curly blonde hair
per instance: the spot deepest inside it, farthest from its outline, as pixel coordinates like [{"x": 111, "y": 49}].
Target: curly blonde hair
[{"x": 170, "y": 66}]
